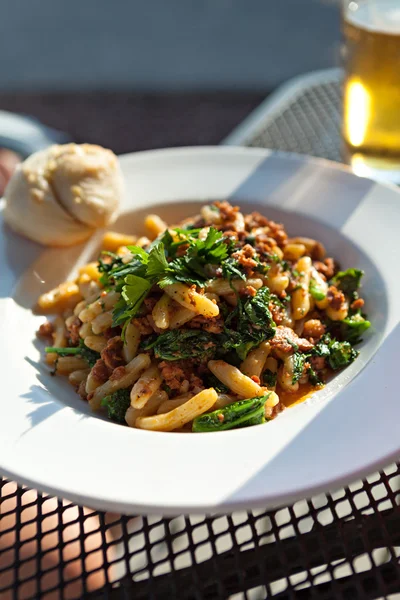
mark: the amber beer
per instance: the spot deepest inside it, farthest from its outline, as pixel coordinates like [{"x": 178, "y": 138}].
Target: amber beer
[{"x": 372, "y": 87}]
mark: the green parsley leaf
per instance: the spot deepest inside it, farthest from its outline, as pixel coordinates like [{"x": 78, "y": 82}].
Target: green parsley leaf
[
  {"x": 157, "y": 263},
  {"x": 134, "y": 291}
]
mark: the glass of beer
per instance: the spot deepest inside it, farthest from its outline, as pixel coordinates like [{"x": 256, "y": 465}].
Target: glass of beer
[{"x": 371, "y": 121}]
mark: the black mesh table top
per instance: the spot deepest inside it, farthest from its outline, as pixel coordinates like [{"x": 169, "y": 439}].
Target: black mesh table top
[{"x": 344, "y": 545}]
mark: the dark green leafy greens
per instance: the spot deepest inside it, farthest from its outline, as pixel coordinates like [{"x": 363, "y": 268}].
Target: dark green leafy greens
[
  {"x": 348, "y": 281},
  {"x": 242, "y": 413},
  {"x": 337, "y": 354},
  {"x": 269, "y": 378},
  {"x": 341, "y": 354},
  {"x": 210, "y": 380},
  {"x": 248, "y": 324},
  {"x": 299, "y": 360},
  {"x": 246, "y": 327},
  {"x": 90, "y": 355},
  {"x": 352, "y": 328},
  {"x": 117, "y": 404},
  {"x": 180, "y": 344},
  {"x": 231, "y": 269}
]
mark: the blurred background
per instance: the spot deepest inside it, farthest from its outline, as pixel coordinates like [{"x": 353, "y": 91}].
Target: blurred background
[{"x": 132, "y": 75}]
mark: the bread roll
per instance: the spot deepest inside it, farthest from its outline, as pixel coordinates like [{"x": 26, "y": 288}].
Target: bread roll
[{"x": 60, "y": 195}]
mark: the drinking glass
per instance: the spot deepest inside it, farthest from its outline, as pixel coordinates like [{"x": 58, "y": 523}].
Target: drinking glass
[{"x": 371, "y": 119}]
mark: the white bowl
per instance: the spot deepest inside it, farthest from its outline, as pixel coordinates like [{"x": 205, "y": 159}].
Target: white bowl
[{"x": 49, "y": 439}]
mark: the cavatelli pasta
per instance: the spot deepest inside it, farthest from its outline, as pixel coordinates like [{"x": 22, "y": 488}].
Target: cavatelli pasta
[{"x": 217, "y": 323}]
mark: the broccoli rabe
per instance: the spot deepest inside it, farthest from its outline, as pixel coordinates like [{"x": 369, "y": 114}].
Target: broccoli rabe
[
  {"x": 348, "y": 281},
  {"x": 238, "y": 414},
  {"x": 321, "y": 348},
  {"x": 210, "y": 380},
  {"x": 299, "y": 360},
  {"x": 341, "y": 354},
  {"x": 337, "y": 355},
  {"x": 117, "y": 404},
  {"x": 269, "y": 378},
  {"x": 179, "y": 344},
  {"x": 352, "y": 328},
  {"x": 245, "y": 327},
  {"x": 252, "y": 323},
  {"x": 90, "y": 355}
]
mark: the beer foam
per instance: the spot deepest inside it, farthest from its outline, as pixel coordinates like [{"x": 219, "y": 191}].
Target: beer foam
[{"x": 381, "y": 16}]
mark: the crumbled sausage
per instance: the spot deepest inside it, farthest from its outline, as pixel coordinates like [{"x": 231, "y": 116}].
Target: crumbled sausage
[
  {"x": 274, "y": 412},
  {"x": 112, "y": 353},
  {"x": 277, "y": 231},
  {"x": 82, "y": 390},
  {"x": 181, "y": 250},
  {"x": 255, "y": 219},
  {"x": 73, "y": 331},
  {"x": 359, "y": 303},
  {"x": 173, "y": 373},
  {"x": 285, "y": 339},
  {"x": 112, "y": 332},
  {"x": 273, "y": 230},
  {"x": 118, "y": 373},
  {"x": 318, "y": 251},
  {"x": 265, "y": 245},
  {"x": 195, "y": 383},
  {"x": 227, "y": 211},
  {"x": 150, "y": 303},
  {"x": 327, "y": 268},
  {"x": 46, "y": 330},
  {"x": 234, "y": 235},
  {"x": 335, "y": 297},
  {"x": 318, "y": 363},
  {"x": 314, "y": 329},
  {"x": 250, "y": 291},
  {"x": 143, "y": 325},
  {"x": 245, "y": 257},
  {"x": 212, "y": 325},
  {"x": 100, "y": 371},
  {"x": 278, "y": 314}
]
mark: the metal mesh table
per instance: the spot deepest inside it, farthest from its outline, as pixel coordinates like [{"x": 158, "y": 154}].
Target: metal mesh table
[{"x": 343, "y": 545}]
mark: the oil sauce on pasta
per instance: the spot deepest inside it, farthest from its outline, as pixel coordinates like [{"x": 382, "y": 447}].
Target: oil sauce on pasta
[{"x": 301, "y": 395}]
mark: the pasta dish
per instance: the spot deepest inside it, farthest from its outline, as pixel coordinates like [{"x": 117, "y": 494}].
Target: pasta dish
[{"x": 217, "y": 323}]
